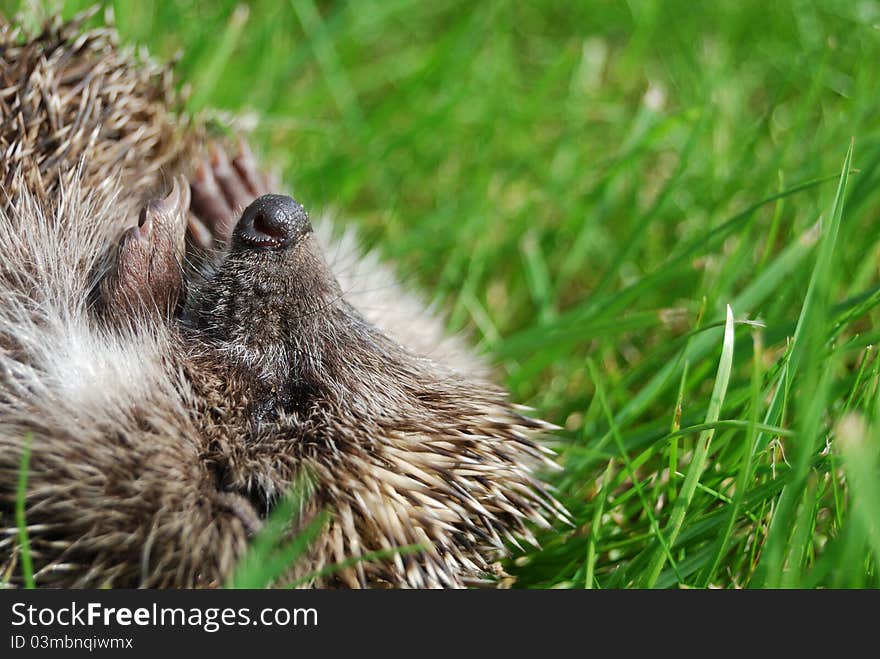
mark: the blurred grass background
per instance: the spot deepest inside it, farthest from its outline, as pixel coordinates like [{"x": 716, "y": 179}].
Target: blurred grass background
[{"x": 584, "y": 187}]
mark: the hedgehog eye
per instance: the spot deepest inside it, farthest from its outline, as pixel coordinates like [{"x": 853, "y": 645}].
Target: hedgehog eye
[
  {"x": 293, "y": 399},
  {"x": 298, "y": 396}
]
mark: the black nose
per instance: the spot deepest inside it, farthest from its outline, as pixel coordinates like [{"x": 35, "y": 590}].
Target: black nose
[{"x": 272, "y": 221}]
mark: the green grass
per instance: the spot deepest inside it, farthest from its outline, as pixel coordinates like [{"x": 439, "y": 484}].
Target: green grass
[
  {"x": 585, "y": 188},
  {"x": 24, "y": 546},
  {"x": 272, "y": 551}
]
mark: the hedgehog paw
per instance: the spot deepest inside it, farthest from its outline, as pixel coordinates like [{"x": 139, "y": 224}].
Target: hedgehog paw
[
  {"x": 221, "y": 190},
  {"x": 147, "y": 273}
]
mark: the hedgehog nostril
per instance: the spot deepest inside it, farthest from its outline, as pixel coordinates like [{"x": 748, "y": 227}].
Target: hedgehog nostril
[
  {"x": 272, "y": 221},
  {"x": 264, "y": 225}
]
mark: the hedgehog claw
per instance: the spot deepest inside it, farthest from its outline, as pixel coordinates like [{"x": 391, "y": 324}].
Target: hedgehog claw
[
  {"x": 147, "y": 271},
  {"x": 221, "y": 189},
  {"x": 208, "y": 201},
  {"x": 176, "y": 202},
  {"x": 168, "y": 216},
  {"x": 231, "y": 184},
  {"x": 199, "y": 233},
  {"x": 246, "y": 166}
]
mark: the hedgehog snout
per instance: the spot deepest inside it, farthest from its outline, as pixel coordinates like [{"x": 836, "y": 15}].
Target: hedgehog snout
[{"x": 272, "y": 221}]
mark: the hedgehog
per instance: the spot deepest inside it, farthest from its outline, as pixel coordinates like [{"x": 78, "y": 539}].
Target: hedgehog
[{"x": 177, "y": 352}]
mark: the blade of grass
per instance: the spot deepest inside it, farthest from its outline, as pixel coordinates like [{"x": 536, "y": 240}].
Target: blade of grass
[
  {"x": 802, "y": 536},
  {"x": 209, "y": 73},
  {"x": 745, "y": 470},
  {"x": 818, "y": 291},
  {"x": 538, "y": 277},
  {"x": 355, "y": 560},
  {"x": 271, "y": 553},
  {"x": 24, "y": 546},
  {"x": 808, "y": 335},
  {"x": 595, "y": 527},
  {"x": 629, "y": 467},
  {"x": 689, "y": 487},
  {"x": 859, "y": 446}
]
